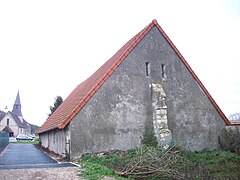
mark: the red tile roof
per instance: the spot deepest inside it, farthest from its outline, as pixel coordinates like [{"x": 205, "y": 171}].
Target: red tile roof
[{"x": 84, "y": 91}]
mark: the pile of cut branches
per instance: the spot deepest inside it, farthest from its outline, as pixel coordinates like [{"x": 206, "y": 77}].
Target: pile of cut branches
[{"x": 153, "y": 162}]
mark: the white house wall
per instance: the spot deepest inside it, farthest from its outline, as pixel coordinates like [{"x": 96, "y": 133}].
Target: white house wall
[{"x": 12, "y": 124}]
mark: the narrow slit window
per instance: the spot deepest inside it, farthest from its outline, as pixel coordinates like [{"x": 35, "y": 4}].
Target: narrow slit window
[
  {"x": 147, "y": 68},
  {"x": 163, "y": 71}
]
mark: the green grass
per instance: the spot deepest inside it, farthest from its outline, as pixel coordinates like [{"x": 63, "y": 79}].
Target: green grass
[
  {"x": 35, "y": 141},
  {"x": 97, "y": 166},
  {"x": 213, "y": 164},
  {"x": 219, "y": 163},
  {"x": 96, "y": 171}
]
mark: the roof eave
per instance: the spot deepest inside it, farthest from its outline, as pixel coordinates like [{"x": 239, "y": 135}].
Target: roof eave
[
  {"x": 50, "y": 129},
  {"x": 234, "y": 123}
]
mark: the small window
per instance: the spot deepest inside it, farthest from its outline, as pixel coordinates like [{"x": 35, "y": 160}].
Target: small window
[
  {"x": 7, "y": 122},
  {"x": 147, "y": 68},
  {"x": 163, "y": 71}
]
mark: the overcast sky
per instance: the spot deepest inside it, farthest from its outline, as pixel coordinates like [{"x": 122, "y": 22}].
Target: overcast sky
[{"x": 49, "y": 47}]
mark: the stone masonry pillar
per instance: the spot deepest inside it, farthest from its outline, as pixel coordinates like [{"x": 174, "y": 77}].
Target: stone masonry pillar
[{"x": 160, "y": 124}]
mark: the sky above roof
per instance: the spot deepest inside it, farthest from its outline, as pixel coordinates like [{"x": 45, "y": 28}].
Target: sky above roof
[{"x": 47, "y": 48}]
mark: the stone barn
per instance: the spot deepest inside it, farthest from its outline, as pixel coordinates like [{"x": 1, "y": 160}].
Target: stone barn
[{"x": 146, "y": 85}]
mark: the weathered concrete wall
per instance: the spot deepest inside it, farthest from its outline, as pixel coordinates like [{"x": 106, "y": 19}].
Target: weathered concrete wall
[
  {"x": 192, "y": 118},
  {"x": 118, "y": 114},
  {"x": 56, "y": 140}
]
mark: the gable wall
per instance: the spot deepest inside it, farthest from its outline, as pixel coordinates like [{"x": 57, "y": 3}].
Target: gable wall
[
  {"x": 12, "y": 124},
  {"x": 117, "y": 115},
  {"x": 192, "y": 118}
]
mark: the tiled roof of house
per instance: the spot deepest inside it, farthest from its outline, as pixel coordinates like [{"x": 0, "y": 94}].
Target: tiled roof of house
[{"x": 84, "y": 91}]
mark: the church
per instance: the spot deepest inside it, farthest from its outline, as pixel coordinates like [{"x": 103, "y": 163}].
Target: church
[{"x": 13, "y": 121}]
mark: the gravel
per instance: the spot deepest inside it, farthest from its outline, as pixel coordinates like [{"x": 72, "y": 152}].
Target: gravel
[{"x": 71, "y": 173}]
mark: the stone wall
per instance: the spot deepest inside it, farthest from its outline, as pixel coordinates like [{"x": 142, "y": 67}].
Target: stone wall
[{"x": 160, "y": 121}]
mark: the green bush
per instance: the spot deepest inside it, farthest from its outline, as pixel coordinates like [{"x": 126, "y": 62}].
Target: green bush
[
  {"x": 229, "y": 140},
  {"x": 149, "y": 139},
  {"x": 218, "y": 163}
]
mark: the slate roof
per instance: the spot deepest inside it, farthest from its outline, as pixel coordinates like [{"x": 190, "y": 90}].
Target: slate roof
[
  {"x": 2, "y": 114},
  {"x": 84, "y": 91},
  {"x": 17, "y": 106},
  {"x": 17, "y": 120},
  {"x": 7, "y": 129}
]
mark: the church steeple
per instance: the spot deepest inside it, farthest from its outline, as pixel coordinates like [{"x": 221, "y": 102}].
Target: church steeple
[{"x": 17, "y": 106}]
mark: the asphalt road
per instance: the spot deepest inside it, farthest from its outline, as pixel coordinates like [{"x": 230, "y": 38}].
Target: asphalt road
[{"x": 23, "y": 156}]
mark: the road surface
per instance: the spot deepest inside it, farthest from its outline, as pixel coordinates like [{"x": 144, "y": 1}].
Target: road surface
[{"x": 23, "y": 156}]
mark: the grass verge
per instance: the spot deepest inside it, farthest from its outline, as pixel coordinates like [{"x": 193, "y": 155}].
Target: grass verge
[
  {"x": 35, "y": 141},
  {"x": 197, "y": 165}
]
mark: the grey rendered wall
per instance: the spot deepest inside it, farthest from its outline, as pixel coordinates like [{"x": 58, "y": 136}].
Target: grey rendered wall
[
  {"x": 54, "y": 140},
  {"x": 117, "y": 115},
  {"x": 192, "y": 118}
]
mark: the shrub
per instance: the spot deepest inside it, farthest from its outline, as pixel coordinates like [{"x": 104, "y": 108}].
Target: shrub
[
  {"x": 149, "y": 139},
  {"x": 229, "y": 140}
]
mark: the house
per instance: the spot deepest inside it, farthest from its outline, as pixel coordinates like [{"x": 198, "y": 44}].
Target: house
[
  {"x": 13, "y": 121},
  {"x": 146, "y": 86}
]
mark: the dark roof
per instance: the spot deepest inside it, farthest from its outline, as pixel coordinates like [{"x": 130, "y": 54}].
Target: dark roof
[
  {"x": 7, "y": 129},
  {"x": 25, "y": 123},
  {"x": 2, "y": 114},
  {"x": 17, "y": 105},
  {"x": 17, "y": 120},
  {"x": 84, "y": 91}
]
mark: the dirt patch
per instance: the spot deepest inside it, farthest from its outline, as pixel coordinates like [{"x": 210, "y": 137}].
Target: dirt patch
[{"x": 44, "y": 173}]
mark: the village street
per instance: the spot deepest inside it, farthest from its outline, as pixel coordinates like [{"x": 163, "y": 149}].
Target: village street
[{"x": 25, "y": 161}]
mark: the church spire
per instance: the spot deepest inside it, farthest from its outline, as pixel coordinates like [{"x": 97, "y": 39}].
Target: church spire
[{"x": 17, "y": 106}]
